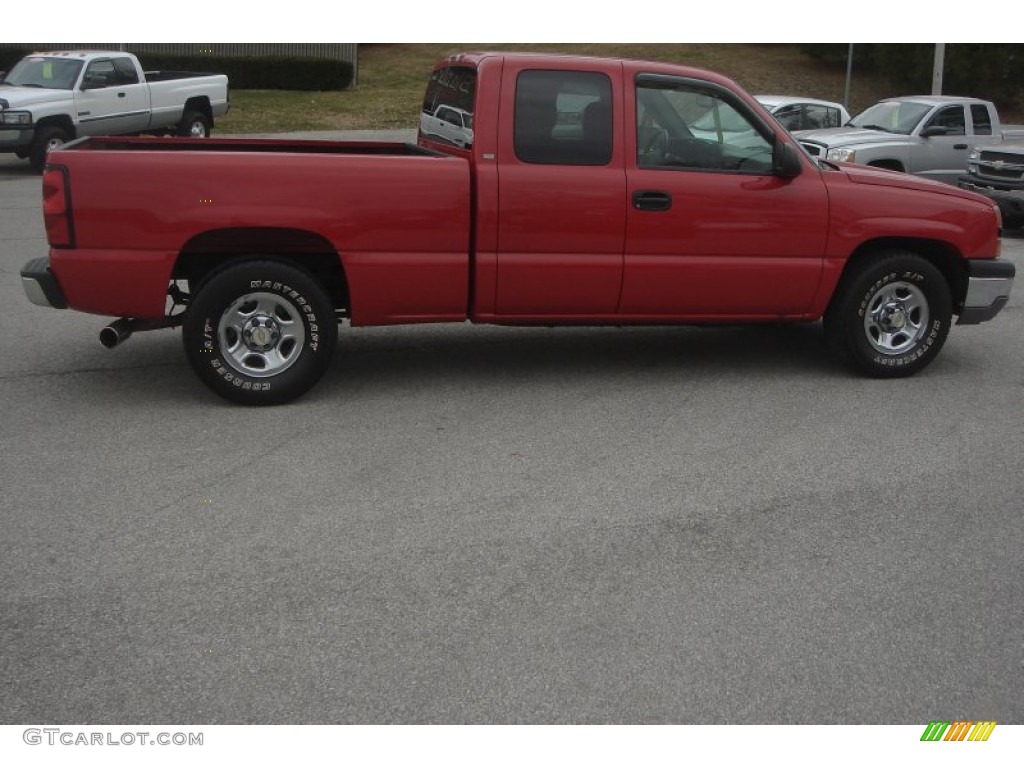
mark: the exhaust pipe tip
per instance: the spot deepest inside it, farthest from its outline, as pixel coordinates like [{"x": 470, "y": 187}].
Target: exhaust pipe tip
[{"x": 117, "y": 332}]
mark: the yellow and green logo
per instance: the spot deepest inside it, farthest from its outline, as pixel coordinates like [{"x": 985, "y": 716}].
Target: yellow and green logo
[{"x": 958, "y": 730}]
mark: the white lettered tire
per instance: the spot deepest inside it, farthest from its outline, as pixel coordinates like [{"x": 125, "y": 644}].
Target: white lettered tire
[
  {"x": 260, "y": 332},
  {"x": 890, "y": 315}
]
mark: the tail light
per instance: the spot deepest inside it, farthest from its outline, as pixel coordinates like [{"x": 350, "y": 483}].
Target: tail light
[{"x": 60, "y": 230}]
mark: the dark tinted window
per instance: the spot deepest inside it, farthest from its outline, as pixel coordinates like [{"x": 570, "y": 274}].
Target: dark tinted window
[
  {"x": 124, "y": 72},
  {"x": 99, "y": 74},
  {"x": 982, "y": 120},
  {"x": 563, "y": 118},
  {"x": 951, "y": 118}
]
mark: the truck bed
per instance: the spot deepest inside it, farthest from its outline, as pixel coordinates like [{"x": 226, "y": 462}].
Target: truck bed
[{"x": 396, "y": 215}]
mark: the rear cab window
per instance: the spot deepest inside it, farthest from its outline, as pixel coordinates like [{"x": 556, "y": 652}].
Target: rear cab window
[
  {"x": 563, "y": 117},
  {"x": 448, "y": 107}
]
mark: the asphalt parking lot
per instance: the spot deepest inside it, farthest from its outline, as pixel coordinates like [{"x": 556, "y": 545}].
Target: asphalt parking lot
[{"x": 484, "y": 525}]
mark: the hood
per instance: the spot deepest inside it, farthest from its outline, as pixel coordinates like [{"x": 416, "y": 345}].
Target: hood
[
  {"x": 22, "y": 98},
  {"x": 849, "y": 137},
  {"x": 863, "y": 174}
]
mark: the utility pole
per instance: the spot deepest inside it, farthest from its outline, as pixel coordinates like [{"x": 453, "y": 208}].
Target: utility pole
[
  {"x": 849, "y": 71},
  {"x": 940, "y": 57}
]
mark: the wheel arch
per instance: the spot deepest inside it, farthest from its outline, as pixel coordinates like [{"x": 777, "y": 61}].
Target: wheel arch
[
  {"x": 63, "y": 122},
  {"x": 943, "y": 256},
  {"x": 213, "y": 250},
  {"x": 199, "y": 104}
]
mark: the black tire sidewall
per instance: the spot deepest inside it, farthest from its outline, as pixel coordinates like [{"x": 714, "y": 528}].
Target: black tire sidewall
[
  {"x": 898, "y": 268},
  {"x": 185, "y": 126},
  {"x": 215, "y": 296},
  {"x": 38, "y": 152}
]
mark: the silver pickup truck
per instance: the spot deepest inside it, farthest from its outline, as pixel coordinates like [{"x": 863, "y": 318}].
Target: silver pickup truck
[
  {"x": 929, "y": 136},
  {"x": 48, "y": 99}
]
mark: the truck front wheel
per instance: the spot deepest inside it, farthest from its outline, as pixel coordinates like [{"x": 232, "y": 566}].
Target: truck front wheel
[
  {"x": 890, "y": 315},
  {"x": 47, "y": 138},
  {"x": 260, "y": 332}
]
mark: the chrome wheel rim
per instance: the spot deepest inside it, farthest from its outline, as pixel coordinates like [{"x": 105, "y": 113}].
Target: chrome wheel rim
[
  {"x": 53, "y": 144},
  {"x": 261, "y": 334},
  {"x": 896, "y": 318},
  {"x": 197, "y": 130}
]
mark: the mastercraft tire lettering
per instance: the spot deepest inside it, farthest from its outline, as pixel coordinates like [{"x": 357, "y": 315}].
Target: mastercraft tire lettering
[
  {"x": 890, "y": 315},
  {"x": 260, "y": 332}
]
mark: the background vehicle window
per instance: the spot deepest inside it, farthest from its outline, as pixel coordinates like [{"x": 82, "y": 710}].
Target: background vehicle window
[
  {"x": 818, "y": 116},
  {"x": 99, "y": 74},
  {"x": 124, "y": 72},
  {"x": 951, "y": 118},
  {"x": 791, "y": 118},
  {"x": 893, "y": 116},
  {"x": 982, "y": 120},
  {"x": 40, "y": 72},
  {"x": 686, "y": 126},
  {"x": 563, "y": 118}
]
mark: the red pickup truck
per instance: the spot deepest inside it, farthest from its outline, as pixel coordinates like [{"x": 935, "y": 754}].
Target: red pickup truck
[{"x": 579, "y": 195}]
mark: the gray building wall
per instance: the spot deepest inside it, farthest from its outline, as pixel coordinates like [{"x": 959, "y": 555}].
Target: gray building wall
[{"x": 339, "y": 51}]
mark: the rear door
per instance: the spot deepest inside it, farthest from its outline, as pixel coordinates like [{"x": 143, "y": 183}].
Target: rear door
[
  {"x": 711, "y": 232},
  {"x": 561, "y": 191}
]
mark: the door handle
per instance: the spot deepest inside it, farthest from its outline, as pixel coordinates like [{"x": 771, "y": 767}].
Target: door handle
[
  {"x": 652, "y": 200},
  {"x": 959, "y": 146},
  {"x": 120, "y": 95}
]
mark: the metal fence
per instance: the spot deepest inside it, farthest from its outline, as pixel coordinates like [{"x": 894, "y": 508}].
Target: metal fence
[{"x": 337, "y": 51}]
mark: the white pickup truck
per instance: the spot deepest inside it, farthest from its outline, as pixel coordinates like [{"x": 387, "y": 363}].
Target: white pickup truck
[
  {"x": 48, "y": 99},
  {"x": 929, "y": 136}
]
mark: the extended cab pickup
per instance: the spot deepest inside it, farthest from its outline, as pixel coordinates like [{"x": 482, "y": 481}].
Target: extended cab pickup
[
  {"x": 584, "y": 198},
  {"x": 48, "y": 99},
  {"x": 925, "y": 135}
]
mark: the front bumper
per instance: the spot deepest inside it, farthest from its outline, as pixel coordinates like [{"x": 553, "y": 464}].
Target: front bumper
[
  {"x": 15, "y": 138},
  {"x": 1009, "y": 196},
  {"x": 41, "y": 286},
  {"x": 988, "y": 290}
]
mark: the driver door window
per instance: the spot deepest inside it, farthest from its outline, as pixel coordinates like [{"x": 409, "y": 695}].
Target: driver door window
[
  {"x": 950, "y": 118},
  {"x": 686, "y": 127}
]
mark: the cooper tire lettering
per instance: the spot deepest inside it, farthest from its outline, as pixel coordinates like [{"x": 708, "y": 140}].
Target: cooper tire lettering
[
  {"x": 252, "y": 333},
  {"x": 890, "y": 314}
]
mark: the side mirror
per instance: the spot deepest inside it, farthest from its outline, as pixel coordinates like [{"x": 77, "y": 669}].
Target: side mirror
[
  {"x": 786, "y": 160},
  {"x": 935, "y": 130}
]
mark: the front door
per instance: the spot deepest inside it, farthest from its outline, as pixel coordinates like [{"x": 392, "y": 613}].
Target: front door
[
  {"x": 711, "y": 231},
  {"x": 942, "y": 157},
  {"x": 111, "y": 101}
]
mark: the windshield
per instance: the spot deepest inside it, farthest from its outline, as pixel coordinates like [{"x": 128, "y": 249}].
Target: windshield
[
  {"x": 45, "y": 72},
  {"x": 892, "y": 116}
]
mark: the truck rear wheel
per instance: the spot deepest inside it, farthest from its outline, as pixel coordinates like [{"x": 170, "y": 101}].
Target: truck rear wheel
[
  {"x": 260, "y": 332},
  {"x": 890, "y": 315},
  {"x": 194, "y": 125}
]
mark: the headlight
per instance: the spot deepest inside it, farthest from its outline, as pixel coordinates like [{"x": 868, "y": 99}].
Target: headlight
[
  {"x": 841, "y": 155},
  {"x": 974, "y": 155},
  {"x": 16, "y": 118}
]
